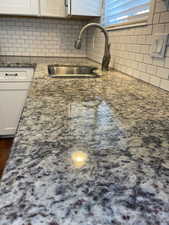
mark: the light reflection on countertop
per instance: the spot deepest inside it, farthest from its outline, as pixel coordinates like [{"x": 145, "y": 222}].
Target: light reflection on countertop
[{"x": 79, "y": 158}]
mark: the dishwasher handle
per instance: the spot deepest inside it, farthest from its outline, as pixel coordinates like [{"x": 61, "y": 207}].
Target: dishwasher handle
[{"x": 11, "y": 74}]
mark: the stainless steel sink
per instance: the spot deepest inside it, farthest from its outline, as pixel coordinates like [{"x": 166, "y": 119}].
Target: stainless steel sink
[{"x": 72, "y": 71}]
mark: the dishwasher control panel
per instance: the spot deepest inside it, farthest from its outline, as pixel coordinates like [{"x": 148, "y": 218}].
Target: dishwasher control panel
[{"x": 16, "y": 74}]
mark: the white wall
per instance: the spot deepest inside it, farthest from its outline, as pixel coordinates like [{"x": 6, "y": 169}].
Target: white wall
[
  {"x": 40, "y": 37},
  {"x": 130, "y": 49}
]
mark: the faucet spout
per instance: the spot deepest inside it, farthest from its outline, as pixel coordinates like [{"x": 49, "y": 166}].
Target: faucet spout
[{"x": 107, "y": 56}]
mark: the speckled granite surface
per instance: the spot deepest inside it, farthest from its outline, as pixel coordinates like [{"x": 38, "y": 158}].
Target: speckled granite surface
[{"x": 120, "y": 124}]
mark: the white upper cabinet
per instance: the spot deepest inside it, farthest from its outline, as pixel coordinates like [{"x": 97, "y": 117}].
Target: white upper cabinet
[
  {"x": 52, "y": 8},
  {"x": 19, "y": 7},
  {"x": 83, "y": 7}
]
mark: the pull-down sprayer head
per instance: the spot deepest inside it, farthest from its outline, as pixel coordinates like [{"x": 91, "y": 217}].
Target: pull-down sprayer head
[{"x": 77, "y": 44}]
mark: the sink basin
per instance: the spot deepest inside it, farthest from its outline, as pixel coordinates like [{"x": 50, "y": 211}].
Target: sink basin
[{"x": 72, "y": 71}]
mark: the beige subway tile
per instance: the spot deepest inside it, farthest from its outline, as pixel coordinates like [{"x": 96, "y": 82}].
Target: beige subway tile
[
  {"x": 151, "y": 69},
  {"x": 165, "y": 85},
  {"x": 164, "y": 17},
  {"x": 148, "y": 59},
  {"x": 158, "y": 62},
  {"x": 160, "y": 6},
  {"x": 156, "y": 18},
  {"x": 156, "y": 81},
  {"x": 142, "y": 67},
  {"x": 162, "y": 72},
  {"x": 139, "y": 57},
  {"x": 158, "y": 28},
  {"x": 145, "y": 77},
  {"x": 167, "y": 62}
]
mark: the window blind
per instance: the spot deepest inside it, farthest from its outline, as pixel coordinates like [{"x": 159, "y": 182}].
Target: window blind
[{"x": 121, "y": 11}]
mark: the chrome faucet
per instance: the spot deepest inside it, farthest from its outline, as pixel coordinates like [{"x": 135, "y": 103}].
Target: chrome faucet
[{"x": 107, "y": 56}]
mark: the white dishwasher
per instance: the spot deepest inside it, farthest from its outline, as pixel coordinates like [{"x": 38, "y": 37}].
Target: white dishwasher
[{"x": 14, "y": 85}]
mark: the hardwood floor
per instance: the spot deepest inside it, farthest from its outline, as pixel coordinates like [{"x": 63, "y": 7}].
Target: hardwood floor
[{"x": 5, "y": 147}]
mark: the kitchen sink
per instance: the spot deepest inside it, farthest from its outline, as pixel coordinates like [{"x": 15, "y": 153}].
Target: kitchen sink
[{"x": 72, "y": 71}]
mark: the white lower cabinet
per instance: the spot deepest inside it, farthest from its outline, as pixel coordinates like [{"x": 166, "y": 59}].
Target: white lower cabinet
[
  {"x": 14, "y": 85},
  {"x": 19, "y": 7},
  {"x": 12, "y": 102}
]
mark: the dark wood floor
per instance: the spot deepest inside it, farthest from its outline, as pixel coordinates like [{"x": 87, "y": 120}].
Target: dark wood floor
[{"x": 5, "y": 147}]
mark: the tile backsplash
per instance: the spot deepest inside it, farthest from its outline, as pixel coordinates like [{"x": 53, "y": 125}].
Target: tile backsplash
[
  {"x": 130, "y": 49},
  {"x": 40, "y": 37}
]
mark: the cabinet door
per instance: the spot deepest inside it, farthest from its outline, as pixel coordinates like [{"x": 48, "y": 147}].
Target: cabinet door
[
  {"x": 19, "y": 7},
  {"x": 52, "y": 8},
  {"x": 84, "y": 8},
  {"x": 11, "y": 105}
]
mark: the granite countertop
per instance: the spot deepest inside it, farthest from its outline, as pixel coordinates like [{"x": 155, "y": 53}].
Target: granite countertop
[{"x": 89, "y": 152}]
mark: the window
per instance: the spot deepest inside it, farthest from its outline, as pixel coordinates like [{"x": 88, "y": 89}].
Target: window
[{"x": 125, "y": 11}]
